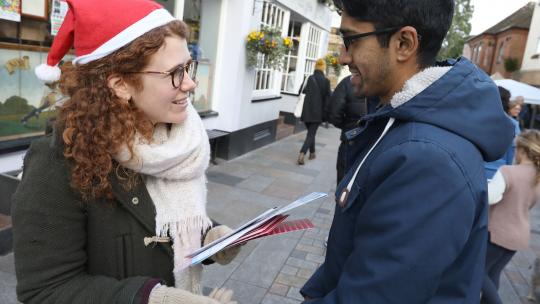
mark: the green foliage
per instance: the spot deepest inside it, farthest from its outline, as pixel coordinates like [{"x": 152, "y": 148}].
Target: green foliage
[
  {"x": 511, "y": 64},
  {"x": 452, "y": 46},
  {"x": 15, "y": 105},
  {"x": 267, "y": 41}
]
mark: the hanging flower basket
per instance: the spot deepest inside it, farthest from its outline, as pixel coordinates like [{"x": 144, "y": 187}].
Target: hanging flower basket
[
  {"x": 268, "y": 42},
  {"x": 333, "y": 63}
]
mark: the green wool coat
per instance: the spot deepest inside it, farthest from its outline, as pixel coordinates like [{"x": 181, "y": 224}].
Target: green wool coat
[{"x": 70, "y": 252}]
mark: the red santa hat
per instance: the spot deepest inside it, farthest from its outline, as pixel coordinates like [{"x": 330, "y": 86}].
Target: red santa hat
[{"x": 96, "y": 28}]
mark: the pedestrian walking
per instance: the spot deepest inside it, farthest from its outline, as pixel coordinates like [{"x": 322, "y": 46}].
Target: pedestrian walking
[
  {"x": 345, "y": 111},
  {"x": 317, "y": 92},
  {"x": 110, "y": 204},
  {"x": 508, "y": 157},
  {"x": 513, "y": 191},
  {"x": 410, "y": 224}
]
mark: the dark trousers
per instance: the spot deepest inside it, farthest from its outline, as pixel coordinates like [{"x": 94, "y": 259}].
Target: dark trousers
[
  {"x": 309, "y": 142},
  {"x": 496, "y": 259}
]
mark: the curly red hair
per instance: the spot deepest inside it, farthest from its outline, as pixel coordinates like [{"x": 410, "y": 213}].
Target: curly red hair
[{"x": 95, "y": 124}]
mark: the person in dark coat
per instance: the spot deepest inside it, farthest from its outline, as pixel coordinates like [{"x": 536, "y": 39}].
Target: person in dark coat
[
  {"x": 410, "y": 224},
  {"x": 344, "y": 111},
  {"x": 110, "y": 204},
  {"x": 317, "y": 92}
]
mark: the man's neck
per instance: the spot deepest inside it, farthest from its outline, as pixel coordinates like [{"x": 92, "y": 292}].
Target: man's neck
[{"x": 400, "y": 77}]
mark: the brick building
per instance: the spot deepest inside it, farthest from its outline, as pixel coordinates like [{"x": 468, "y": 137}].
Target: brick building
[{"x": 504, "y": 41}]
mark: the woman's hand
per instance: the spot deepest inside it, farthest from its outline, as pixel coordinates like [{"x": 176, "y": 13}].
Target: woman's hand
[{"x": 225, "y": 256}]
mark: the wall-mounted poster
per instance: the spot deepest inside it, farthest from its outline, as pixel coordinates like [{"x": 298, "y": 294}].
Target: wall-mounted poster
[
  {"x": 25, "y": 102},
  {"x": 202, "y": 95},
  {"x": 58, "y": 13},
  {"x": 36, "y": 9},
  {"x": 10, "y": 10}
]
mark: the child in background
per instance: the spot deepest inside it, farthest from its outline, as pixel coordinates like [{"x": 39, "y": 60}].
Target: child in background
[{"x": 512, "y": 192}]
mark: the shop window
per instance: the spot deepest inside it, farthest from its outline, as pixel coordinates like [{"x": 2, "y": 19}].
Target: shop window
[
  {"x": 202, "y": 95},
  {"x": 290, "y": 68},
  {"x": 266, "y": 78},
  {"x": 27, "y": 106},
  {"x": 312, "y": 49},
  {"x": 500, "y": 54}
]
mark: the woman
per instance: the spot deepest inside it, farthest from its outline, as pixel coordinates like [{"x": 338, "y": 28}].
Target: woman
[
  {"x": 113, "y": 200},
  {"x": 317, "y": 92},
  {"x": 508, "y": 157},
  {"x": 513, "y": 191}
]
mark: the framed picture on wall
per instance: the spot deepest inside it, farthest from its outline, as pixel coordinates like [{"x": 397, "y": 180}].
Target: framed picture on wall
[
  {"x": 26, "y": 104},
  {"x": 10, "y": 10},
  {"x": 36, "y": 9}
]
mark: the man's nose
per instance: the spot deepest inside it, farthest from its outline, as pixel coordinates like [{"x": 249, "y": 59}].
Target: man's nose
[{"x": 344, "y": 57}]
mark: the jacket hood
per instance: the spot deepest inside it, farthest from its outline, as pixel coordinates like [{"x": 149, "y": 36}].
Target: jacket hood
[{"x": 458, "y": 97}]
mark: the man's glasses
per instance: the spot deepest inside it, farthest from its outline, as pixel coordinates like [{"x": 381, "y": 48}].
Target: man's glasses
[
  {"x": 177, "y": 74},
  {"x": 348, "y": 40}
]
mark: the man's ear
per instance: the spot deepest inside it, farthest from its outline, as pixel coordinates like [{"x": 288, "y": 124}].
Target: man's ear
[
  {"x": 119, "y": 87},
  {"x": 407, "y": 43}
]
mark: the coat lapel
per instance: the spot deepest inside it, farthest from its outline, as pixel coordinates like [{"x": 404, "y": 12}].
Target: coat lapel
[{"x": 140, "y": 205}]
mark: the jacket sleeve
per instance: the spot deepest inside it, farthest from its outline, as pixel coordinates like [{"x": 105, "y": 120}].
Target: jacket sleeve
[
  {"x": 49, "y": 237},
  {"x": 336, "y": 106},
  {"x": 410, "y": 231}
]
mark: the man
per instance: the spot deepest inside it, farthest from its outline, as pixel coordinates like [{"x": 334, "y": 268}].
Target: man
[
  {"x": 344, "y": 110},
  {"x": 410, "y": 224}
]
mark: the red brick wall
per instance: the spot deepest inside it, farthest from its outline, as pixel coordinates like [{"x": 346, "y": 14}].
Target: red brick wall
[{"x": 514, "y": 41}]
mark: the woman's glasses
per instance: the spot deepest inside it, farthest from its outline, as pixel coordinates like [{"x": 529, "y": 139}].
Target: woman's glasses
[{"x": 177, "y": 74}]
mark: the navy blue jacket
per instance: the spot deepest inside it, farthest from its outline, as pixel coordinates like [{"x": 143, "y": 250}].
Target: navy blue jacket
[{"x": 414, "y": 227}]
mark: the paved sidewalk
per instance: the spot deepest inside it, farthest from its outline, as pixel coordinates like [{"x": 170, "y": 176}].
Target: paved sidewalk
[{"x": 271, "y": 270}]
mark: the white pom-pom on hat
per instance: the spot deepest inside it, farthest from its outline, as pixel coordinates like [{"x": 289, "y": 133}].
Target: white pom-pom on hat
[{"x": 47, "y": 73}]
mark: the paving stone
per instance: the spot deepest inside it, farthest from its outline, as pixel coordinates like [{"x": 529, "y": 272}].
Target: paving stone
[
  {"x": 279, "y": 289},
  {"x": 223, "y": 178},
  {"x": 264, "y": 263},
  {"x": 301, "y": 263},
  {"x": 315, "y": 258},
  {"x": 256, "y": 183},
  {"x": 275, "y": 299},
  {"x": 299, "y": 254},
  {"x": 215, "y": 275},
  {"x": 7, "y": 264},
  {"x": 290, "y": 280},
  {"x": 310, "y": 249},
  {"x": 7, "y": 288},
  {"x": 305, "y": 241},
  {"x": 294, "y": 293},
  {"x": 290, "y": 270},
  {"x": 305, "y": 273},
  {"x": 245, "y": 293}
]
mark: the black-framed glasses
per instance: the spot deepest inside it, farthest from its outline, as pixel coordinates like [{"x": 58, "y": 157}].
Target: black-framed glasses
[
  {"x": 350, "y": 39},
  {"x": 177, "y": 74}
]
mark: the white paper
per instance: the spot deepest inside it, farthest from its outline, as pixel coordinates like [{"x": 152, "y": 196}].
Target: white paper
[{"x": 214, "y": 247}]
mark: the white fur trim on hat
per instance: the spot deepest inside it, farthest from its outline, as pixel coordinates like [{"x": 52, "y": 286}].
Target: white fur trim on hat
[
  {"x": 47, "y": 73},
  {"x": 155, "y": 19}
]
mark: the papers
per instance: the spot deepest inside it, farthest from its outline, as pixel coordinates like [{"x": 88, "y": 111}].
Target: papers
[{"x": 270, "y": 222}]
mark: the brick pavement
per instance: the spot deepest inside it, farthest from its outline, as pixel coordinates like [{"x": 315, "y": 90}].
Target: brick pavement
[{"x": 271, "y": 270}]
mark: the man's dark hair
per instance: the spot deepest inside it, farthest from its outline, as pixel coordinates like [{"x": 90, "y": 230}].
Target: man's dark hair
[
  {"x": 505, "y": 98},
  {"x": 430, "y": 18}
]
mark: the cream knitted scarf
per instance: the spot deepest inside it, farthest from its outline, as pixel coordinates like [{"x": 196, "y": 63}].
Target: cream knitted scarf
[{"x": 174, "y": 165}]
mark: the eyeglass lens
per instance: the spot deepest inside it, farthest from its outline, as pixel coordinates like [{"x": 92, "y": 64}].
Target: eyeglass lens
[{"x": 178, "y": 75}]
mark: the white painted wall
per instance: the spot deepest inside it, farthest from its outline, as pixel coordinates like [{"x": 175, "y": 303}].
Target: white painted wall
[
  {"x": 224, "y": 26},
  {"x": 11, "y": 161},
  {"x": 532, "y": 42}
]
